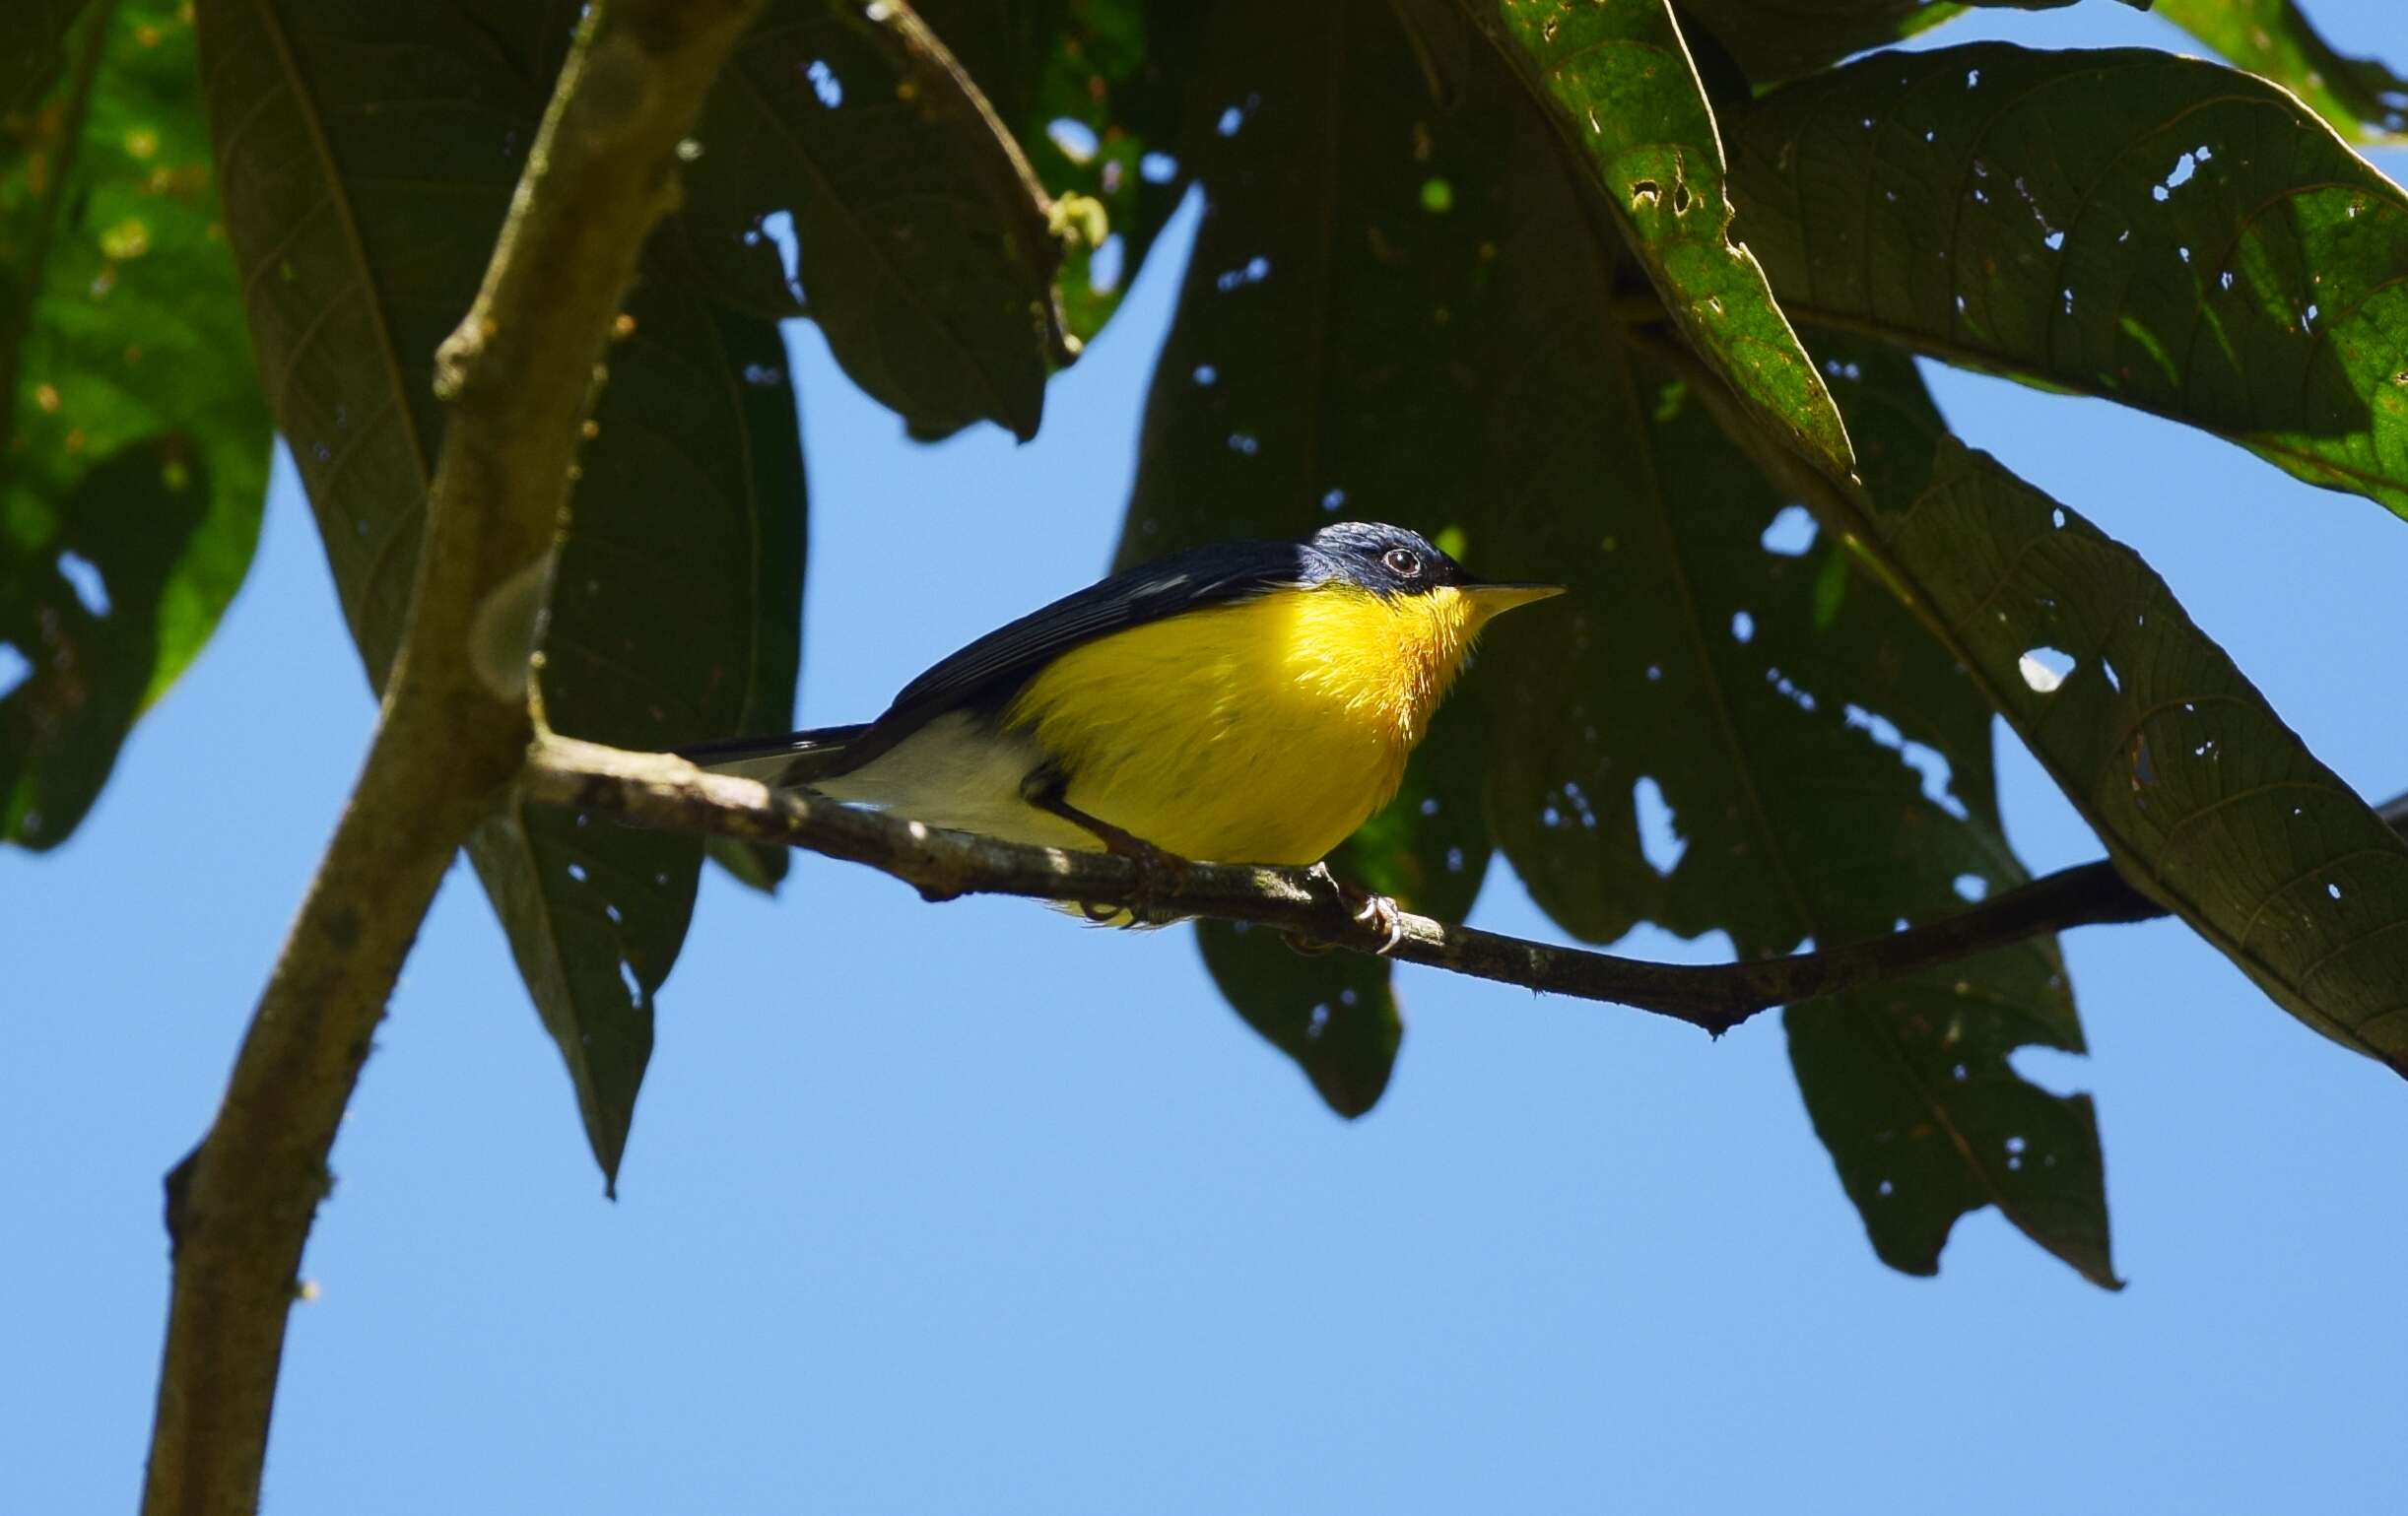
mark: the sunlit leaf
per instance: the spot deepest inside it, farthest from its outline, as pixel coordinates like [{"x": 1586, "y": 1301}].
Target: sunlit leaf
[
  {"x": 2159, "y": 230},
  {"x": 919, "y": 243},
  {"x": 133, "y": 441},
  {"x": 2362, "y": 98},
  {"x": 369, "y": 155},
  {"x": 1617, "y": 82}
]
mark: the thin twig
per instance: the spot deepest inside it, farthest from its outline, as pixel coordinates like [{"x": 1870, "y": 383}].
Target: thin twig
[
  {"x": 1010, "y": 178},
  {"x": 670, "y": 794},
  {"x": 455, "y": 728}
]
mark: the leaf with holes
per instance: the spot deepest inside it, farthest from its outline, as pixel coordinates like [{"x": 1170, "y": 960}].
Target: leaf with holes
[
  {"x": 1778, "y": 43},
  {"x": 1306, "y": 376},
  {"x": 1615, "y": 79},
  {"x": 1743, "y": 731},
  {"x": 2363, "y": 99},
  {"x": 2207, "y": 801},
  {"x": 920, "y": 238},
  {"x": 1411, "y": 318},
  {"x": 674, "y": 608},
  {"x": 133, "y": 442},
  {"x": 1090, "y": 90},
  {"x": 2159, "y": 230}
]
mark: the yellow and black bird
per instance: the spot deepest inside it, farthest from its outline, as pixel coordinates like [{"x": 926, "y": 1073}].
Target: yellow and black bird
[{"x": 1240, "y": 702}]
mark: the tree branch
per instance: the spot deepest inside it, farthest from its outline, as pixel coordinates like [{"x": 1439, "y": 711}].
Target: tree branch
[
  {"x": 670, "y": 794},
  {"x": 453, "y": 730}
]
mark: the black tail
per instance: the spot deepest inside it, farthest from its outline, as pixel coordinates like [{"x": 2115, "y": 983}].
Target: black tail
[{"x": 799, "y": 758}]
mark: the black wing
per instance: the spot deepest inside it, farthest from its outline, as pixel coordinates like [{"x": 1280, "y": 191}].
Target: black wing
[
  {"x": 986, "y": 672},
  {"x": 984, "y": 675}
]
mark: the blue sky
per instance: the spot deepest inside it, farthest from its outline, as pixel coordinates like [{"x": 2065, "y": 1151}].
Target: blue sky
[{"x": 970, "y": 1208}]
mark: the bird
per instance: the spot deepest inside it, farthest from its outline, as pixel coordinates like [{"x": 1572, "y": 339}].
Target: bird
[{"x": 1246, "y": 702}]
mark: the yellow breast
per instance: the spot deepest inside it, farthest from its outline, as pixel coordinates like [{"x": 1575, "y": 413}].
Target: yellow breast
[{"x": 1264, "y": 731}]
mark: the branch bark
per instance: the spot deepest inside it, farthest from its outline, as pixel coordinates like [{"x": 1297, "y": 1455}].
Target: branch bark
[
  {"x": 671, "y": 793},
  {"x": 453, "y": 730}
]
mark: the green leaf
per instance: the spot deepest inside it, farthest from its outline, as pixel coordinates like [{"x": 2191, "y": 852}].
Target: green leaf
[
  {"x": 2362, "y": 98},
  {"x": 1348, "y": 341},
  {"x": 921, "y": 240},
  {"x": 1618, "y": 87},
  {"x": 2162, "y": 231},
  {"x": 1334, "y": 1013},
  {"x": 1090, "y": 90},
  {"x": 1817, "y": 768},
  {"x": 369, "y": 152},
  {"x": 133, "y": 442},
  {"x": 2206, "y": 801},
  {"x": 32, "y": 40}
]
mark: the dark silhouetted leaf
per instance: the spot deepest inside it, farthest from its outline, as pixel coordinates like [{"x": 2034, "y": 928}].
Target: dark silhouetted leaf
[
  {"x": 1618, "y": 87},
  {"x": 1398, "y": 310},
  {"x": 1092, "y": 90},
  {"x": 2361, "y": 96},
  {"x": 2207, "y": 801},
  {"x": 1743, "y": 731},
  {"x": 1781, "y": 41},
  {"x": 133, "y": 442},
  {"x": 921, "y": 244},
  {"x": 32, "y": 37},
  {"x": 81, "y": 603},
  {"x": 369, "y": 153},
  {"x": 2156, "y": 229}
]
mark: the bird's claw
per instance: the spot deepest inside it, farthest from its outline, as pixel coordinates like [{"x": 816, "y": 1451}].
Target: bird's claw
[
  {"x": 1373, "y": 910},
  {"x": 1381, "y": 911}
]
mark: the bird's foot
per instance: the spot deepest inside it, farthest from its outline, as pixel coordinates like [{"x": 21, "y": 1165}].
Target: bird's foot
[
  {"x": 1377, "y": 910},
  {"x": 1157, "y": 873}
]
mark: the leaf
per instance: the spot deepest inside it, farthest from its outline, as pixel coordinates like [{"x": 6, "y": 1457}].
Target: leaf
[
  {"x": 2362, "y": 98},
  {"x": 922, "y": 244},
  {"x": 1778, "y": 43},
  {"x": 2159, "y": 230},
  {"x": 1618, "y": 87},
  {"x": 133, "y": 444},
  {"x": 1412, "y": 319},
  {"x": 369, "y": 153},
  {"x": 2206, "y": 801},
  {"x": 33, "y": 40},
  {"x": 83, "y": 604},
  {"x": 1089, "y": 90},
  {"x": 1742, "y": 731}
]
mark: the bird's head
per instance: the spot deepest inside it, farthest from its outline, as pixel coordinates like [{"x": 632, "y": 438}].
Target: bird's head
[{"x": 1389, "y": 560}]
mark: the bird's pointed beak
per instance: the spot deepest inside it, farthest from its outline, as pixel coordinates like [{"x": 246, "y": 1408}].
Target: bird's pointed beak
[{"x": 1490, "y": 600}]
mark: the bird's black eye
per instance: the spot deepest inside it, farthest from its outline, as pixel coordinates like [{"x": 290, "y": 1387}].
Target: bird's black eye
[{"x": 1403, "y": 562}]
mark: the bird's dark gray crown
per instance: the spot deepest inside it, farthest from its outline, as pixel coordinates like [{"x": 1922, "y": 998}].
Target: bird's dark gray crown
[{"x": 1385, "y": 559}]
